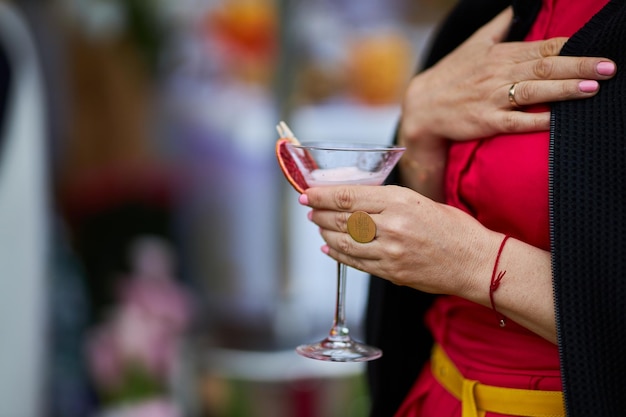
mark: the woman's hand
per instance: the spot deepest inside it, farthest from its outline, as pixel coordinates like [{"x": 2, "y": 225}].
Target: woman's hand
[
  {"x": 434, "y": 248},
  {"x": 465, "y": 96},
  {"x": 419, "y": 243}
]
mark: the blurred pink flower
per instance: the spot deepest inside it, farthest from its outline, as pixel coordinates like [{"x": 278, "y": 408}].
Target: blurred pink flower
[
  {"x": 141, "y": 338},
  {"x": 144, "y": 330},
  {"x": 104, "y": 358},
  {"x": 162, "y": 300}
]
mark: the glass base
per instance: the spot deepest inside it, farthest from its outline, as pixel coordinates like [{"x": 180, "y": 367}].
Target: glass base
[{"x": 340, "y": 351}]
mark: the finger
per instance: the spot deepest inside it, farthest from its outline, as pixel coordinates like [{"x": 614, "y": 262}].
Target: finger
[
  {"x": 342, "y": 245},
  {"x": 524, "y": 52},
  {"x": 562, "y": 68},
  {"x": 496, "y": 30},
  {"x": 356, "y": 263},
  {"x": 527, "y": 93},
  {"x": 331, "y": 220},
  {"x": 547, "y": 48},
  {"x": 521, "y": 121},
  {"x": 533, "y": 92},
  {"x": 334, "y": 228},
  {"x": 347, "y": 198}
]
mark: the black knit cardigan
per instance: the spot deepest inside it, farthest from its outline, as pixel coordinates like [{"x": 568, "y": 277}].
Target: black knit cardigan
[{"x": 587, "y": 226}]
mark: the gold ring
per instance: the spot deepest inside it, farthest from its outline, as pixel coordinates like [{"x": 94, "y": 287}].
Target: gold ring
[
  {"x": 512, "y": 100},
  {"x": 361, "y": 227}
]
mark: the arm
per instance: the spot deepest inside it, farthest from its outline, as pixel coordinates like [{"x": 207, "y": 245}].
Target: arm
[{"x": 436, "y": 248}]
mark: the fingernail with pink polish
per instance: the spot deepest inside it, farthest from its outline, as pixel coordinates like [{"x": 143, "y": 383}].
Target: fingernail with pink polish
[
  {"x": 605, "y": 68},
  {"x": 588, "y": 86},
  {"x": 303, "y": 199},
  {"x": 325, "y": 249},
  {"x": 309, "y": 215}
]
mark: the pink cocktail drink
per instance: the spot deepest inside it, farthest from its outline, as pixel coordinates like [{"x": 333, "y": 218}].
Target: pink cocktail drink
[
  {"x": 345, "y": 175},
  {"x": 325, "y": 164}
]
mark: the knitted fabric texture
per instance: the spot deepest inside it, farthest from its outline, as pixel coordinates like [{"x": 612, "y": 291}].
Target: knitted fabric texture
[{"x": 588, "y": 221}]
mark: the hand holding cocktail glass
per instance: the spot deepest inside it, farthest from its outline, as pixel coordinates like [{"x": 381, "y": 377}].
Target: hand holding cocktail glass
[{"x": 322, "y": 164}]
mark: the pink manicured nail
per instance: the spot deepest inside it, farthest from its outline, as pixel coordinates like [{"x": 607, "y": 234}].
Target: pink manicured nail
[
  {"x": 309, "y": 215},
  {"x": 605, "y": 68},
  {"x": 303, "y": 199},
  {"x": 325, "y": 249},
  {"x": 588, "y": 86}
]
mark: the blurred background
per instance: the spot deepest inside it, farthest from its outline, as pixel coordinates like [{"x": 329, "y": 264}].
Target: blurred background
[{"x": 154, "y": 262}]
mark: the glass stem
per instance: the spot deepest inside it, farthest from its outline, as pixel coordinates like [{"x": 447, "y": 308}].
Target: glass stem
[{"x": 340, "y": 330}]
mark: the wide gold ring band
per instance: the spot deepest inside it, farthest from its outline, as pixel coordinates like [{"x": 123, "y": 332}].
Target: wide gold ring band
[
  {"x": 361, "y": 227},
  {"x": 512, "y": 100}
]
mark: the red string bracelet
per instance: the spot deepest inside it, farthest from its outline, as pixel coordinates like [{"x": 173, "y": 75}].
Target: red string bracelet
[{"x": 495, "y": 282}]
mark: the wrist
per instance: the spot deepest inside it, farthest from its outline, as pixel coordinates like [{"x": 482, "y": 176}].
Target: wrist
[
  {"x": 496, "y": 277},
  {"x": 414, "y": 134},
  {"x": 476, "y": 266},
  {"x": 421, "y": 145},
  {"x": 422, "y": 165}
]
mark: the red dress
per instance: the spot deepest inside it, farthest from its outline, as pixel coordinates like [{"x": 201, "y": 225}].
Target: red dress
[{"x": 503, "y": 182}]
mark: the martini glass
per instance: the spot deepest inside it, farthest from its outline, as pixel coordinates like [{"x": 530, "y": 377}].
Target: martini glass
[{"x": 324, "y": 164}]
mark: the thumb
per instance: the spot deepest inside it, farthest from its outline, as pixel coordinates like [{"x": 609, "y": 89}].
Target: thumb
[{"x": 497, "y": 29}]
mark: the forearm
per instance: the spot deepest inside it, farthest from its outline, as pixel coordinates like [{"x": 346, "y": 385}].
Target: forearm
[
  {"x": 437, "y": 248},
  {"x": 525, "y": 294}
]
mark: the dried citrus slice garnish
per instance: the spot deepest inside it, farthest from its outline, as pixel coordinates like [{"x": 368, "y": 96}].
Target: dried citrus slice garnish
[{"x": 287, "y": 161}]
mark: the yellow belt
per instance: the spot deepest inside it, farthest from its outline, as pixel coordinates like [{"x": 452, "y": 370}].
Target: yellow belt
[{"x": 477, "y": 398}]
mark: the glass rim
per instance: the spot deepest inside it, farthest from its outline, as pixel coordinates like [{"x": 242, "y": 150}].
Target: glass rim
[{"x": 347, "y": 146}]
